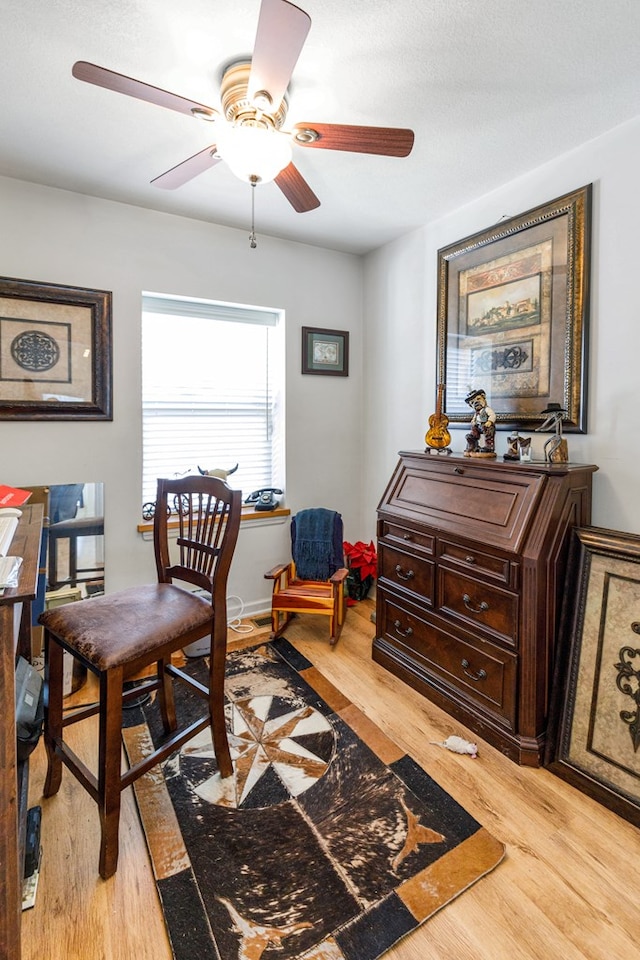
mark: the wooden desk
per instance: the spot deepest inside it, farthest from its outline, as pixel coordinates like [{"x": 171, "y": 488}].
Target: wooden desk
[{"x": 15, "y": 639}]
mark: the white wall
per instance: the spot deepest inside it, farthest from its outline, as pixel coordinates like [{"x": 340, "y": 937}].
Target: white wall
[
  {"x": 400, "y": 325},
  {"x": 54, "y": 236}
]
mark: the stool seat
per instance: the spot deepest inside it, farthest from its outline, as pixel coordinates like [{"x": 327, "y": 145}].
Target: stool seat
[
  {"x": 120, "y": 628},
  {"x": 120, "y": 635}
]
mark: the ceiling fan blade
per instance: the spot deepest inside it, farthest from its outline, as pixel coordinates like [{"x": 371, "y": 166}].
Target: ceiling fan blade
[
  {"x": 297, "y": 190},
  {"x": 102, "y": 77},
  {"x": 188, "y": 169},
  {"x": 384, "y": 141},
  {"x": 282, "y": 31}
]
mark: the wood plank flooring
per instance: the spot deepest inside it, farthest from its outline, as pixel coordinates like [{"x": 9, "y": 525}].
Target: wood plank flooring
[{"x": 566, "y": 889}]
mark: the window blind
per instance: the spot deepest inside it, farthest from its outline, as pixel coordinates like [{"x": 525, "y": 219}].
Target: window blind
[{"x": 212, "y": 391}]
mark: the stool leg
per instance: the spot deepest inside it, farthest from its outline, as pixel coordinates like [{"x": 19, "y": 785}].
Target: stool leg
[
  {"x": 73, "y": 560},
  {"x": 54, "y": 673},
  {"x": 53, "y": 562},
  {"x": 166, "y": 698},
  {"x": 216, "y": 707},
  {"x": 109, "y": 768}
]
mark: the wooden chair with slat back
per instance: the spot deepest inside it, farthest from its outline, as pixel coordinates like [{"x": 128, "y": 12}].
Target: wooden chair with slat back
[
  {"x": 313, "y": 580},
  {"x": 118, "y": 635}
]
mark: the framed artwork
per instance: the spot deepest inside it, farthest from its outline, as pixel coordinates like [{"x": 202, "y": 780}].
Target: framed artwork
[
  {"x": 594, "y": 726},
  {"x": 513, "y": 312},
  {"x": 325, "y": 352},
  {"x": 55, "y": 352}
]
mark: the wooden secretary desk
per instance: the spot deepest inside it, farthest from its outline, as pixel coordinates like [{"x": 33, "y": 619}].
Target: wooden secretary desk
[
  {"x": 15, "y": 639},
  {"x": 471, "y": 574}
]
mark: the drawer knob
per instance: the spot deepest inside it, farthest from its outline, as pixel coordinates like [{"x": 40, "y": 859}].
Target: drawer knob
[
  {"x": 407, "y": 536},
  {"x": 480, "y": 675},
  {"x": 458, "y": 470},
  {"x": 409, "y": 575},
  {"x": 482, "y": 607},
  {"x": 470, "y": 559},
  {"x": 398, "y": 628}
]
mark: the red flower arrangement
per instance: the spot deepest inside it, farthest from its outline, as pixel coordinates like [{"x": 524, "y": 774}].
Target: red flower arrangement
[
  {"x": 362, "y": 561},
  {"x": 362, "y": 557}
]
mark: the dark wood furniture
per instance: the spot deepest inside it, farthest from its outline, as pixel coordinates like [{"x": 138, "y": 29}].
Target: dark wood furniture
[
  {"x": 15, "y": 640},
  {"x": 471, "y": 563},
  {"x": 119, "y": 635}
]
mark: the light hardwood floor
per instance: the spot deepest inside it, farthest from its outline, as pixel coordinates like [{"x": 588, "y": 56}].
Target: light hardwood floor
[{"x": 567, "y": 888}]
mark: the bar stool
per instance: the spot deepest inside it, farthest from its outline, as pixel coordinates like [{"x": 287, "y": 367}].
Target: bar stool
[{"x": 118, "y": 635}]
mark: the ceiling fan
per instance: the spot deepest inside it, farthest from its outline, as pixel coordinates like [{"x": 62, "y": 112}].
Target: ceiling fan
[{"x": 248, "y": 129}]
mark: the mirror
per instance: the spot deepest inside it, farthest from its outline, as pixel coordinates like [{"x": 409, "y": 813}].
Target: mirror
[
  {"x": 75, "y": 541},
  {"x": 72, "y": 555}
]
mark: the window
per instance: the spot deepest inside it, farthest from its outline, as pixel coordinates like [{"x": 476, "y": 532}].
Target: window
[{"x": 212, "y": 391}]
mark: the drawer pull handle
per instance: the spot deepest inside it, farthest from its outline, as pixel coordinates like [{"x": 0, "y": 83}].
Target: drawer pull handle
[
  {"x": 458, "y": 470},
  {"x": 480, "y": 675},
  {"x": 409, "y": 575},
  {"x": 481, "y": 608},
  {"x": 403, "y": 633},
  {"x": 470, "y": 559}
]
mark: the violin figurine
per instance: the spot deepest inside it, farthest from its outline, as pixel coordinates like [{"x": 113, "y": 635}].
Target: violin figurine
[{"x": 438, "y": 437}]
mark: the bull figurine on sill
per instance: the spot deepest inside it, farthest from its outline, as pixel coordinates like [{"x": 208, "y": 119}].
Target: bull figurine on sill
[{"x": 218, "y": 472}]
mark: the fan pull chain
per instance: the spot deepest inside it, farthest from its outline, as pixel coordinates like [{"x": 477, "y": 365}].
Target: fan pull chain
[{"x": 253, "y": 243}]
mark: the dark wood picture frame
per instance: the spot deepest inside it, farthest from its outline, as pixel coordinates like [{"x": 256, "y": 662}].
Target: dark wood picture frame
[
  {"x": 55, "y": 352},
  {"x": 593, "y": 739},
  {"x": 325, "y": 352},
  {"x": 513, "y": 315}
]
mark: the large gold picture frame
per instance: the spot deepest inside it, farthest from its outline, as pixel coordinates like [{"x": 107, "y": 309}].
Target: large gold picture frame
[
  {"x": 513, "y": 315},
  {"x": 55, "y": 352}
]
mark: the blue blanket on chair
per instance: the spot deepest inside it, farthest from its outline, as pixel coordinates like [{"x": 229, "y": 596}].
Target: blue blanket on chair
[{"x": 316, "y": 543}]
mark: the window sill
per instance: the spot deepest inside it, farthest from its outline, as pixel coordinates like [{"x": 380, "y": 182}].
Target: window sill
[{"x": 249, "y": 515}]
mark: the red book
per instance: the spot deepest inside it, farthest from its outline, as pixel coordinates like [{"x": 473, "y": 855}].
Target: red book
[{"x": 13, "y": 496}]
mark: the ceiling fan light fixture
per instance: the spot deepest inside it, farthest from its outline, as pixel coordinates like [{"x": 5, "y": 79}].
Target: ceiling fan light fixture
[{"x": 254, "y": 152}]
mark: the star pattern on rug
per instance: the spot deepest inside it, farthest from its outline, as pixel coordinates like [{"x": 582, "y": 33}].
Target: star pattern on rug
[
  {"x": 256, "y": 937},
  {"x": 265, "y": 734}
]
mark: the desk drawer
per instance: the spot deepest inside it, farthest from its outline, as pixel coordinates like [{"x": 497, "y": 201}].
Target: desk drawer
[
  {"x": 407, "y": 536},
  {"x": 479, "y": 604},
  {"x": 475, "y": 562},
  {"x": 480, "y": 670},
  {"x": 407, "y": 571}
]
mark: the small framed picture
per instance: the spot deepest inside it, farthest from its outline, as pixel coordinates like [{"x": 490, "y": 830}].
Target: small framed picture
[
  {"x": 594, "y": 723},
  {"x": 325, "y": 352}
]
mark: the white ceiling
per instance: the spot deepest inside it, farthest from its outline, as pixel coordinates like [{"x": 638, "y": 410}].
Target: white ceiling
[{"x": 492, "y": 88}]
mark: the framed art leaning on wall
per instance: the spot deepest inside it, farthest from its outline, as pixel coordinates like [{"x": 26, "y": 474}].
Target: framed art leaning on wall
[
  {"x": 55, "y": 352},
  {"x": 594, "y": 726},
  {"x": 513, "y": 314}
]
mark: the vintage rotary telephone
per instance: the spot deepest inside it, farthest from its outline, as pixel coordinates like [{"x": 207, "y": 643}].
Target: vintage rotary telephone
[{"x": 264, "y": 499}]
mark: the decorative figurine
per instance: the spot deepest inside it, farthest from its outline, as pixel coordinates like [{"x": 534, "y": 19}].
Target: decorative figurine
[
  {"x": 483, "y": 426},
  {"x": 555, "y": 449},
  {"x": 438, "y": 437},
  {"x": 513, "y": 453},
  {"x": 218, "y": 472}
]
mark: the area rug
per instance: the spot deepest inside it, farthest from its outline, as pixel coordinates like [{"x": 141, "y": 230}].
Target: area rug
[{"x": 327, "y": 843}]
